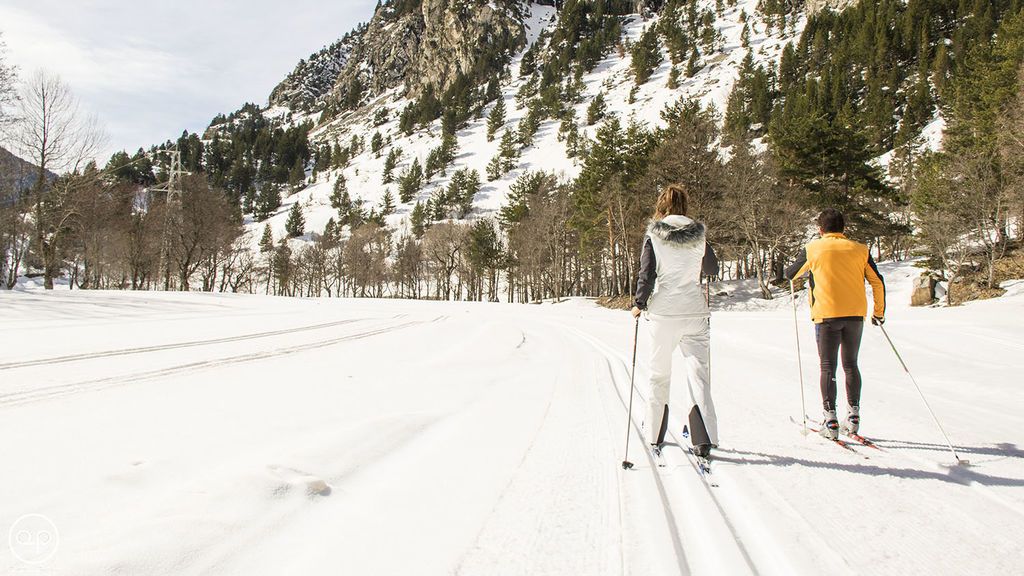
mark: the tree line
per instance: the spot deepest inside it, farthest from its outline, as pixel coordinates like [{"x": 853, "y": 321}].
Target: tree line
[{"x": 792, "y": 140}]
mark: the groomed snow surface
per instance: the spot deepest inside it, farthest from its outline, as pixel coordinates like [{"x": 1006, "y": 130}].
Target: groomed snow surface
[{"x": 167, "y": 433}]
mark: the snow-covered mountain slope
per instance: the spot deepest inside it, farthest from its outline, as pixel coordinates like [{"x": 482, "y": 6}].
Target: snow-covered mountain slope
[
  {"x": 313, "y": 79},
  {"x": 196, "y": 433},
  {"x": 712, "y": 85}
]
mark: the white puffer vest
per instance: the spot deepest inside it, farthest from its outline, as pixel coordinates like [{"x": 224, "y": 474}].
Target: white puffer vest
[{"x": 679, "y": 245}]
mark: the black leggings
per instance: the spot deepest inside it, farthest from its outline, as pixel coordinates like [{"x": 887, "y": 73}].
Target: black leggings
[{"x": 835, "y": 334}]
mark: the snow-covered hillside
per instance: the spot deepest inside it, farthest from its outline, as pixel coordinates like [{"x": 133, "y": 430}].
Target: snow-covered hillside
[
  {"x": 711, "y": 85},
  {"x": 195, "y": 433}
]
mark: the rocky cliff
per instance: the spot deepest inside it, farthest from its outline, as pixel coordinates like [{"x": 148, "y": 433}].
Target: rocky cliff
[
  {"x": 315, "y": 77},
  {"x": 409, "y": 44},
  {"x": 815, "y": 6}
]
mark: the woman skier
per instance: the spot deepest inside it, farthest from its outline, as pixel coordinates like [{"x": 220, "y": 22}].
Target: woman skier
[{"x": 674, "y": 256}]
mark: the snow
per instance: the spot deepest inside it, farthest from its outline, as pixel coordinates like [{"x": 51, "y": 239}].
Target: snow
[
  {"x": 711, "y": 85},
  {"x": 193, "y": 433},
  {"x": 932, "y": 133}
]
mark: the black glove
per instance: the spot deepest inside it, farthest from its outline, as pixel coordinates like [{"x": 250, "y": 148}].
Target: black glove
[{"x": 878, "y": 320}]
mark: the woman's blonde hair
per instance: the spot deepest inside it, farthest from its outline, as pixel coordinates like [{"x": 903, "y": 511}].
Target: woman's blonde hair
[{"x": 673, "y": 200}]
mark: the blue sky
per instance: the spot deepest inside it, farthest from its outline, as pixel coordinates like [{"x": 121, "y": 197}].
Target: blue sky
[{"x": 150, "y": 69}]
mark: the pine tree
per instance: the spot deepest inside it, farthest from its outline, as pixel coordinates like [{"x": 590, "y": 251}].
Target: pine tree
[
  {"x": 297, "y": 176},
  {"x": 496, "y": 119},
  {"x": 376, "y": 143},
  {"x": 433, "y": 164},
  {"x": 296, "y": 224},
  {"x": 645, "y": 55},
  {"x": 673, "y": 78},
  {"x": 675, "y": 37},
  {"x": 493, "y": 90},
  {"x": 331, "y": 234},
  {"x": 529, "y": 125},
  {"x": 410, "y": 182},
  {"x": 940, "y": 70},
  {"x": 494, "y": 168},
  {"x": 833, "y": 162},
  {"x": 470, "y": 188},
  {"x": 356, "y": 216},
  {"x": 448, "y": 151},
  {"x": 693, "y": 64},
  {"x": 390, "y": 163},
  {"x": 267, "y": 240},
  {"x": 268, "y": 200},
  {"x": 528, "y": 185},
  {"x": 602, "y": 165},
  {"x": 484, "y": 251},
  {"x": 597, "y": 109},
  {"x": 387, "y": 204},
  {"x": 407, "y": 119},
  {"x": 508, "y": 151},
  {"x": 604, "y": 160},
  {"x": 340, "y": 199},
  {"x": 418, "y": 220},
  {"x": 572, "y": 141}
]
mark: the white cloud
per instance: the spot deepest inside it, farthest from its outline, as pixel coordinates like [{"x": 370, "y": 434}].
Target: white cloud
[{"x": 153, "y": 69}]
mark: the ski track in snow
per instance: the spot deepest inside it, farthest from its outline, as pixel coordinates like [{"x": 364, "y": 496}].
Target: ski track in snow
[{"x": 219, "y": 434}]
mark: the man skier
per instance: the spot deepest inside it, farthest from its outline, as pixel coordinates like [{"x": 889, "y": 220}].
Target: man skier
[
  {"x": 675, "y": 254},
  {"x": 838, "y": 267}
]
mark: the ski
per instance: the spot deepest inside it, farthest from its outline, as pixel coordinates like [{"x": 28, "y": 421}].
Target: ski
[
  {"x": 864, "y": 441},
  {"x": 860, "y": 439},
  {"x": 659, "y": 458},
  {"x": 703, "y": 464},
  {"x": 703, "y": 467},
  {"x": 838, "y": 442}
]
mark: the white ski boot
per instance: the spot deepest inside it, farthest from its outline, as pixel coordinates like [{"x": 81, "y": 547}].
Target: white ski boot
[
  {"x": 852, "y": 423},
  {"x": 830, "y": 426}
]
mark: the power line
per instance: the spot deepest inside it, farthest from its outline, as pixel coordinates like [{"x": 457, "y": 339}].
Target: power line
[{"x": 172, "y": 211}]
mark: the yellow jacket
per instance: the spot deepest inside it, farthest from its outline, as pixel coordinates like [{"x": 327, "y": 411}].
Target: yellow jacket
[{"x": 838, "y": 267}]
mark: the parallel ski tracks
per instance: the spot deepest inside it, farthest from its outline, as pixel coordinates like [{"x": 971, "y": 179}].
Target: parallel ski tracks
[
  {"x": 92, "y": 385},
  {"x": 172, "y": 346},
  {"x": 608, "y": 355}
]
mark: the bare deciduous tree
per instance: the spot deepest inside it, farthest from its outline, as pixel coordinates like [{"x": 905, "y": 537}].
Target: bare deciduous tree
[
  {"x": 761, "y": 210},
  {"x": 201, "y": 228},
  {"x": 443, "y": 245},
  {"x": 55, "y": 135},
  {"x": 366, "y": 255},
  {"x": 8, "y": 94}
]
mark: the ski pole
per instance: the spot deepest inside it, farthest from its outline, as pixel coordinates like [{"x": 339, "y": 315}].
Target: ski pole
[
  {"x": 799, "y": 360},
  {"x": 626, "y": 464},
  {"x": 707, "y": 300},
  {"x": 927, "y": 405}
]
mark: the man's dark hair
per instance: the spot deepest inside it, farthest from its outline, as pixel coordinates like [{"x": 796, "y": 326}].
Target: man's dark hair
[{"x": 831, "y": 220}]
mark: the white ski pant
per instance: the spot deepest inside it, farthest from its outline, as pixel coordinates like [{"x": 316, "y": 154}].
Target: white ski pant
[{"x": 692, "y": 336}]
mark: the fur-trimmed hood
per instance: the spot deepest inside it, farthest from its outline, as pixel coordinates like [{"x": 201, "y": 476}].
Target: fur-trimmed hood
[{"x": 676, "y": 229}]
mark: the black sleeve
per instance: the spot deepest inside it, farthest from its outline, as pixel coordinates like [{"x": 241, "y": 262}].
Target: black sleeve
[
  {"x": 795, "y": 267},
  {"x": 710, "y": 265},
  {"x": 648, "y": 273}
]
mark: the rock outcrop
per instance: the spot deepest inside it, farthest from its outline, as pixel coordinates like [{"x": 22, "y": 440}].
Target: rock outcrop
[
  {"x": 313, "y": 79},
  {"x": 924, "y": 290},
  {"x": 815, "y": 6},
  {"x": 457, "y": 35},
  {"x": 410, "y": 44}
]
